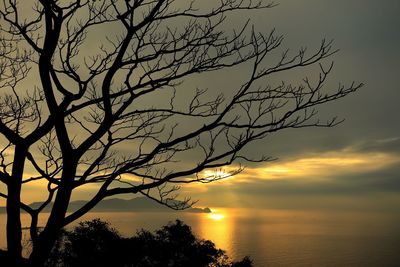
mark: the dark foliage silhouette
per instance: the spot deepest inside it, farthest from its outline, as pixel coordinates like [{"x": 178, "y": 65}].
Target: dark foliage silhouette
[
  {"x": 89, "y": 244},
  {"x": 95, "y": 243},
  {"x": 101, "y": 94}
]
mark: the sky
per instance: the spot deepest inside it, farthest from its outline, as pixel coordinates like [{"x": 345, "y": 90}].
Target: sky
[{"x": 355, "y": 165}]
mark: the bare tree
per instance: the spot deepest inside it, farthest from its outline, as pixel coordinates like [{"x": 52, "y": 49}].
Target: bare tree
[{"x": 100, "y": 92}]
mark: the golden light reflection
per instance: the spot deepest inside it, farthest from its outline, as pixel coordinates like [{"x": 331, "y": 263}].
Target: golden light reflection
[
  {"x": 218, "y": 226},
  {"x": 216, "y": 216}
]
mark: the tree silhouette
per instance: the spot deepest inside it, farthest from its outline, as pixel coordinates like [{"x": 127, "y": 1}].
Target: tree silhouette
[
  {"x": 95, "y": 243},
  {"x": 103, "y": 93}
]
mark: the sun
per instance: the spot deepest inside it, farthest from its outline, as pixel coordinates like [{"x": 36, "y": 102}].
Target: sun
[
  {"x": 219, "y": 174},
  {"x": 216, "y": 216}
]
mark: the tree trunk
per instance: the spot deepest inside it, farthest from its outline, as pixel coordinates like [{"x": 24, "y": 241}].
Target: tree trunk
[
  {"x": 47, "y": 238},
  {"x": 14, "y": 229},
  {"x": 42, "y": 247}
]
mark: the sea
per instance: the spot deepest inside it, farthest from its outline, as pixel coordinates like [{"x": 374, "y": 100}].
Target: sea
[{"x": 276, "y": 237}]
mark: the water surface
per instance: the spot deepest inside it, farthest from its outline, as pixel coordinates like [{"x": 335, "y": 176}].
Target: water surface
[{"x": 279, "y": 237}]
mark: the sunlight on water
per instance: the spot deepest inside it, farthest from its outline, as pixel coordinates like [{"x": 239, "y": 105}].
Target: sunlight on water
[
  {"x": 216, "y": 216},
  {"x": 275, "y": 237},
  {"x": 217, "y": 226}
]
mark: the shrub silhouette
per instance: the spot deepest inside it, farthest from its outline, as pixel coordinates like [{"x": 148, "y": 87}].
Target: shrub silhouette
[
  {"x": 91, "y": 243},
  {"x": 96, "y": 243}
]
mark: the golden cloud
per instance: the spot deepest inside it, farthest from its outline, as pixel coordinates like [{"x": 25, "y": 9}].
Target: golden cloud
[{"x": 321, "y": 166}]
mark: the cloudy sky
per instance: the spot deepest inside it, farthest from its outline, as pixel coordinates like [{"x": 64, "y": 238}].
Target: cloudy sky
[{"x": 355, "y": 165}]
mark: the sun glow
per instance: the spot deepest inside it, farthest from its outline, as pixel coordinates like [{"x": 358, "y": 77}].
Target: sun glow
[
  {"x": 213, "y": 175},
  {"x": 217, "y": 174},
  {"x": 216, "y": 216}
]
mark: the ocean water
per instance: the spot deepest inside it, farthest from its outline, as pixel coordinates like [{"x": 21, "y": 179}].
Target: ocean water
[{"x": 278, "y": 237}]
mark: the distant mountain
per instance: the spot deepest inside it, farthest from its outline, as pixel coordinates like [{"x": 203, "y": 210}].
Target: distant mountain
[{"x": 117, "y": 204}]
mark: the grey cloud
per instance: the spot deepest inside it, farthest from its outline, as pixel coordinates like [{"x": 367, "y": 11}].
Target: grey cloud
[
  {"x": 366, "y": 32},
  {"x": 389, "y": 145},
  {"x": 367, "y": 35}
]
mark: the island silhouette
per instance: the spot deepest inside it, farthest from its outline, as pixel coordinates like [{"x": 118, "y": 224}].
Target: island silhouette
[{"x": 122, "y": 205}]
